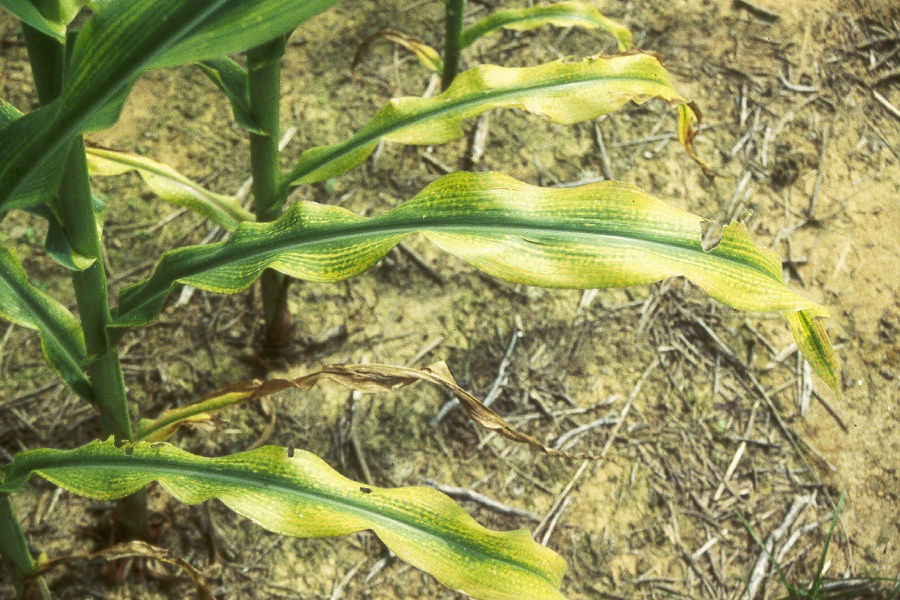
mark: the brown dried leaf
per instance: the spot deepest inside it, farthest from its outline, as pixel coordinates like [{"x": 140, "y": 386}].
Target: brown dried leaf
[{"x": 363, "y": 378}]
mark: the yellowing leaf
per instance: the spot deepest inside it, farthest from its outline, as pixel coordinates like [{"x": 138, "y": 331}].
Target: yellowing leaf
[
  {"x": 606, "y": 234},
  {"x": 427, "y": 55},
  {"x": 563, "y": 92},
  {"x": 812, "y": 339},
  {"x": 561, "y": 14},
  {"x": 298, "y": 494},
  {"x": 170, "y": 185}
]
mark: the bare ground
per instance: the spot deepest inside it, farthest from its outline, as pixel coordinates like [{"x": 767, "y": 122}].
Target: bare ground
[{"x": 793, "y": 121}]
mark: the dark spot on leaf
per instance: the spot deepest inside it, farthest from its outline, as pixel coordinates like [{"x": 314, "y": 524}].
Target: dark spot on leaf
[{"x": 365, "y": 490}]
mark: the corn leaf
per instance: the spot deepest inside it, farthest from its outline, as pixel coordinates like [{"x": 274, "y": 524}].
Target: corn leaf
[
  {"x": 562, "y": 14},
  {"x": 28, "y": 13},
  {"x": 813, "y": 342},
  {"x": 124, "y": 39},
  {"x": 61, "y": 339},
  {"x": 232, "y": 79},
  {"x": 170, "y": 185},
  {"x": 564, "y": 92},
  {"x": 298, "y": 494},
  {"x": 56, "y": 243},
  {"x": 606, "y": 234}
]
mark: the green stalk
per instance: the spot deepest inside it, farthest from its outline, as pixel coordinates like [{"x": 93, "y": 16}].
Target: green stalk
[
  {"x": 16, "y": 554},
  {"x": 76, "y": 209},
  {"x": 264, "y": 70},
  {"x": 455, "y": 11},
  {"x": 48, "y": 59},
  {"x": 91, "y": 294}
]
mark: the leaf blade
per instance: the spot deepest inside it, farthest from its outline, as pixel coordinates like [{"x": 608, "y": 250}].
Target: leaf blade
[
  {"x": 560, "y": 14},
  {"x": 565, "y": 93},
  {"x": 606, "y": 234},
  {"x": 169, "y": 185},
  {"x": 232, "y": 79},
  {"x": 61, "y": 338},
  {"x": 302, "y": 496},
  {"x": 31, "y": 16},
  {"x": 121, "y": 41},
  {"x": 813, "y": 342}
]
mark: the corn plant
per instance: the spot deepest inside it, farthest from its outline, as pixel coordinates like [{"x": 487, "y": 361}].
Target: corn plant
[{"x": 607, "y": 234}]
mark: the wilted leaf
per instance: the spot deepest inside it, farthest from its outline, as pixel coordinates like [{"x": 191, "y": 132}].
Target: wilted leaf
[
  {"x": 135, "y": 549},
  {"x": 428, "y": 56},
  {"x": 564, "y": 92},
  {"x": 298, "y": 494},
  {"x": 689, "y": 115},
  {"x": 561, "y": 14},
  {"x": 170, "y": 185},
  {"x": 363, "y": 378}
]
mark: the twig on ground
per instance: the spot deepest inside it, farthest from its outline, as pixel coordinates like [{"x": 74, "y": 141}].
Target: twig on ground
[
  {"x": 554, "y": 521},
  {"x": 421, "y": 263},
  {"x": 339, "y": 588},
  {"x": 605, "y": 165},
  {"x": 489, "y": 503},
  {"x": 884, "y": 102},
  {"x": 762, "y": 561},
  {"x": 612, "y": 436}
]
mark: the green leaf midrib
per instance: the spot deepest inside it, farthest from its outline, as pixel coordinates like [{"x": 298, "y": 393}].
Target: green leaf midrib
[
  {"x": 368, "y": 228},
  {"x": 355, "y": 143},
  {"x": 240, "y": 479}
]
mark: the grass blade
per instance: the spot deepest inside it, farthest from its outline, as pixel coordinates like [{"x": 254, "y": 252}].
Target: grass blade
[
  {"x": 564, "y": 92},
  {"x": 818, "y": 581},
  {"x": 561, "y": 14},
  {"x": 298, "y": 494},
  {"x": 170, "y": 185},
  {"x": 607, "y": 234}
]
